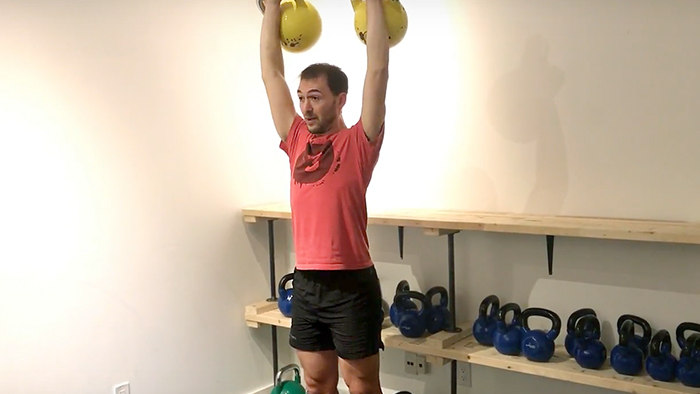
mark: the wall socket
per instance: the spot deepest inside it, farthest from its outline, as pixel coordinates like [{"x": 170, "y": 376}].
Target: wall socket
[
  {"x": 122, "y": 388},
  {"x": 415, "y": 364},
  {"x": 464, "y": 374}
]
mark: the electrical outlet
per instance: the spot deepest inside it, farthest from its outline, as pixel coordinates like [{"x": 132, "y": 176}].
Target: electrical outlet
[
  {"x": 464, "y": 374},
  {"x": 122, "y": 388},
  {"x": 415, "y": 364}
]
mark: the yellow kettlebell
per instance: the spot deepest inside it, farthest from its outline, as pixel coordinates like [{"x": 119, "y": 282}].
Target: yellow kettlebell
[
  {"x": 300, "y": 25},
  {"x": 394, "y": 15}
]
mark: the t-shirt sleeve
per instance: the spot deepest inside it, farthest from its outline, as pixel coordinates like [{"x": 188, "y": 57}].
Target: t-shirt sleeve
[
  {"x": 292, "y": 136},
  {"x": 369, "y": 151}
]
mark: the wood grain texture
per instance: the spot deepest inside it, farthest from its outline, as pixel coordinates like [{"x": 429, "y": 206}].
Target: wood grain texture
[
  {"x": 440, "y": 222},
  {"x": 563, "y": 367}
]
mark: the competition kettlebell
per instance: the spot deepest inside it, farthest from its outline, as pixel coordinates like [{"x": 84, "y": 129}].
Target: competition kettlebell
[
  {"x": 589, "y": 351},
  {"x": 401, "y": 287},
  {"x": 438, "y": 317},
  {"x": 538, "y": 345},
  {"x": 288, "y": 386},
  {"x": 395, "y": 17},
  {"x": 412, "y": 322},
  {"x": 626, "y": 357},
  {"x": 688, "y": 367},
  {"x": 485, "y": 324},
  {"x": 284, "y": 300},
  {"x": 642, "y": 341},
  {"x": 571, "y": 328},
  {"x": 300, "y": 24},
  {"x": 507, "y": 336},
  {"x": 661, "y": 363}
]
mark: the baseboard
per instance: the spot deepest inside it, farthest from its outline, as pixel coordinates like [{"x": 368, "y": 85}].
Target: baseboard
[{"x": 265, "y": 390}]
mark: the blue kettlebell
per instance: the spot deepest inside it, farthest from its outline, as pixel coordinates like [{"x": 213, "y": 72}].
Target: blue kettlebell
[
  {"x": 538, "y": 345},
  {"x": 439, "y": 317},
  {"x": 661, "y": 363},
  {"x": 571, "y": 328},
  {"x": 626, "y": 357},
  {"x": 406, "y": 303},
  {"x": 508, "y": 336},
  {"x": 411, "y": 322},
  {"x": 589, "y": 351},
  {"x": 642, "y": 341},
  {"x": 688, "y": 367},
  {"x": 485, "y": 324},
  {"x": 284, "y": 300}
]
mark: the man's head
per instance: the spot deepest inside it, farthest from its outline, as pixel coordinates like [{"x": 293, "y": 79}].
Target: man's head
[{"x": 322, "y": 91}]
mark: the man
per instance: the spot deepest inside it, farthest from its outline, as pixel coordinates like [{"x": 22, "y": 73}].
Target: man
[{"x": 337, "y": 305}]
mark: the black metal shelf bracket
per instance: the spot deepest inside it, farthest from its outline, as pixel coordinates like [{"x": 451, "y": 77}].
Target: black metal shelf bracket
[
  {"x": 401, "y": 230},
  {"x": 452, "y": 295},
  {"x": 550, "y": 253},
  {"x": 273, "y": 295}
]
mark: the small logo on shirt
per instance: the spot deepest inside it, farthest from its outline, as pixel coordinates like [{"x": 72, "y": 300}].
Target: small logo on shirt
[{"x": 314, "y": 162}]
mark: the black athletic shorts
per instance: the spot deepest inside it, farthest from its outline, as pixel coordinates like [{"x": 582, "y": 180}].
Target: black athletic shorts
[{"x": 337, "y": 310}]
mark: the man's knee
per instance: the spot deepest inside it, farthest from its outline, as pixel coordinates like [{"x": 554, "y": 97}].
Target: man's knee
[{"x": 321, "y": 384}]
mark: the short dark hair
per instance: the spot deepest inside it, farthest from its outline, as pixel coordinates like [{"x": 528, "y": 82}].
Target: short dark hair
[{"x": 335, "y": 77}]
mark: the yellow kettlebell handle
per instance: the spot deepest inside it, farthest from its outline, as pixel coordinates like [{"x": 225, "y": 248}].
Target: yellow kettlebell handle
[
  {"x": 355, "y": 3},
  {"x": 299, "y": 3}
]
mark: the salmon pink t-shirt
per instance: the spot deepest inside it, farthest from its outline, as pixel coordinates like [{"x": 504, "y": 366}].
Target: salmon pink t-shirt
[{"x": 329, "y": 179}]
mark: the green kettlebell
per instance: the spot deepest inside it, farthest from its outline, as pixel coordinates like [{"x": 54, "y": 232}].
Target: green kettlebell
[{"x": 288, "y": 386}]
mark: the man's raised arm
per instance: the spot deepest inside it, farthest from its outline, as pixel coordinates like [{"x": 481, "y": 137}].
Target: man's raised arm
[
  {"x": 376, "y": 79},
  {"x": 272, "y": 69}
]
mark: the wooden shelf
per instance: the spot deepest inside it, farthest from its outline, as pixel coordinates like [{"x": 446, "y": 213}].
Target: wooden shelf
[
  {"x": 438, "y": 348},
  {"x": 432, "y": 221},
  {"x": 563, "y": 367}
]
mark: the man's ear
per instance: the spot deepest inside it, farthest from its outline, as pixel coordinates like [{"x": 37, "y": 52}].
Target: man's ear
[{"x": 342, "y": 97}]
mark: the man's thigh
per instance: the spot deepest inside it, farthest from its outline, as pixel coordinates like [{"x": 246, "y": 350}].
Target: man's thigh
[{"x": 355, "y": 315}]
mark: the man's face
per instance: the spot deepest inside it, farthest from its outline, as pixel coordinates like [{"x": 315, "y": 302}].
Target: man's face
[{"x": 318, "y": 106}]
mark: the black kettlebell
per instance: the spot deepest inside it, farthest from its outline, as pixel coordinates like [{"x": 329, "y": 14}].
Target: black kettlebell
[
  {"x": 642, "y": 341},
  {"x": 688, "y": 367},
  {"x": 626, "y": 357},
  {"x": 401, "y": 287},
  {"x": 485, "y": 324},
  {"x": 661, "y": 363},
  {"x": 571, "y": 328},
  {"x": 284, "y": 301},
  {"x": 538, "y": 345},
  {"x": 411, "y": 322},
  {"x": 589, "y": 351}
]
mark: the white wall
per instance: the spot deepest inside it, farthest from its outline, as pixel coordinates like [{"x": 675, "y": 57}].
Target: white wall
[{"x": 131, "y": 135}]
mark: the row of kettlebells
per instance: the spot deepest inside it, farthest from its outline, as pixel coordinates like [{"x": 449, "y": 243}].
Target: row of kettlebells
[
  {"x": 414, "y": 322},
  {"x": 630, "y": 356}
]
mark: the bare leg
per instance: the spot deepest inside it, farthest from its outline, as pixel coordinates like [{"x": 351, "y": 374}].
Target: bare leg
[
  {"x": 320, "y": 371},
  {"x": 362, "y": 376}
]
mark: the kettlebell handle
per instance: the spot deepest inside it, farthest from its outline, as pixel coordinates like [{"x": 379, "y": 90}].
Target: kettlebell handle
[
  {"x": 403, "y": 286},
  {"x": 278, "y": 376},
  {"x": 573, "y": 318},
  {"x": 261, "y": 4},
  {"x": 626, "y": 332},
  {"x": 542, "y": 312},
  {"x": 444, "y": 296},
  {"x": 283, "y": 282},
  {"x": 662, "y": 339},
  {"x": 682, "y": 328},
  {"x": 425, "y": 305},
  {"x": 646, "y": 327},
  {"x": 587, "y": 323},
  {"x": 493, "y": 301},
  {"x": 511, "y": 306}
]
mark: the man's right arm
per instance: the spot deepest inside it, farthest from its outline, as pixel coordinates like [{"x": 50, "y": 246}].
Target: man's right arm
[{"x": 272, "y": 68}]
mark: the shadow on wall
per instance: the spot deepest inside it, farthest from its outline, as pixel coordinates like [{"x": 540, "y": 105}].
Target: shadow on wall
[{"x": 521, "y": 108}]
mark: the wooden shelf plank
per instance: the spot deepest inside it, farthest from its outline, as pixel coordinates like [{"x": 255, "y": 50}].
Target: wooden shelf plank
[
  {"x": 457, "y": 345},
  {"x": 442, "y": 221},
  {"x": 563, "y": 367}
]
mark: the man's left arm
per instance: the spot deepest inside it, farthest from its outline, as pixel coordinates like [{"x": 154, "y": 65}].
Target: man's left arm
[{"x": 377, "y": 76}]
